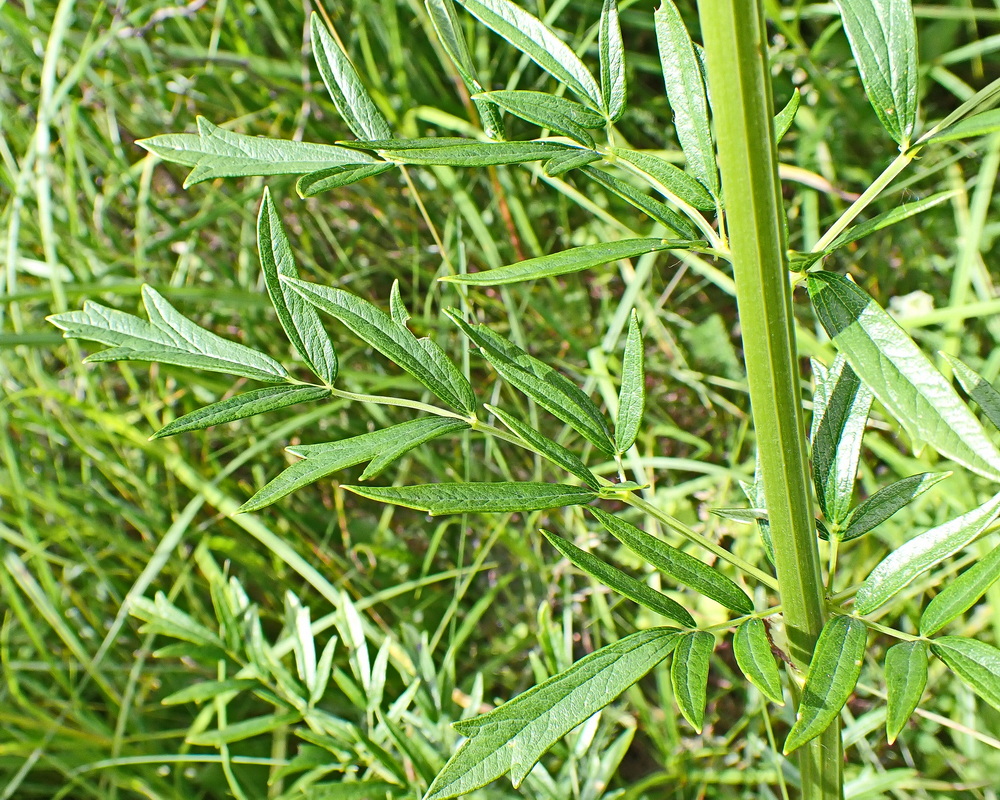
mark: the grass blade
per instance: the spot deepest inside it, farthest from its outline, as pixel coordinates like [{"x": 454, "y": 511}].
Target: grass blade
[
  {"x": 512, "y": 738},
  {"x": 833, "y": 673}
]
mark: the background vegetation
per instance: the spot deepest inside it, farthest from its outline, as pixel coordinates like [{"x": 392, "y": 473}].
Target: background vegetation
[{"x": 91, "y": 513}]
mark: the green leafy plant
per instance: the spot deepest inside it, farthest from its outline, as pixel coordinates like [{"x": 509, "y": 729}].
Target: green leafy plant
[{"x": 723, "y": 112}]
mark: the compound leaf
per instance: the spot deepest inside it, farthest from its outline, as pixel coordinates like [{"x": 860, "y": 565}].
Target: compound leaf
[
  {"x": 975, "y": 662},
  {"x": 883, "y": 38},
  {"x": 752, "y": 650},
  {"x": 565, "y": 262},
  {"x": 833, "y": 673},
  {"x": 421, "y": 358},
  {"x": 512, "y": 738},
  {"x": 899, "y": 374},
  {"x": 905, "y": 679},
  {"x": 459, "y": 498},
  {"x": 921, "y": 553},
  {"x": 689, "y": 675}
]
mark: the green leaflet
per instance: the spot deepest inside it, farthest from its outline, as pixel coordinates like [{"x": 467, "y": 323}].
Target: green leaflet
[
  {"x": 242, "y": 406},
  {"x": 299, "y": 319},
  {"x": 167, "y": 338},
  {"x": 565, "y": 262},
  {"x": 207, "y": 690},
  {"x": 905, "y": 679},
  {"x": 570, "y": 159},
  {"x": 620, "y": 582},
  {"x": 459, "y": 498},
  {"x": 899, "y": 374},
  {"x": 553, "y": 451},
  {"x": 674, "y": 180},
  {"x": 539, "y": 42},
  {"x": 349, "y": 95},
  {"x": 833, "y": 673},
  {"x": 682, "y": 75},
  {"x": 551, "y": 390},
  {"x": 217, "y": 153},
  {"x": 975, "y": 662},
  {"x": 883, "y": 39},
  {"x": 650, "y": 206},
  {"x": 239, "y": 731},
  {"x": 783, "y": 119},
  {"x": 324, "y": 180},
  {"x": 446, "y": 25},
  {"x": 981, "y": 124},
  {"x": 379, "y": 447},
  {"x": 748, "y": 516},
  {"x": 632, "y": 393},
  {"x": 470, "y": 153},
  {"x": 961, "y": 594},
  {"x": 887, "y": 218},
  {"x": 513, "y": 737},
  {"x": 921, "y": 553},
  {"x": 423, "y": 359},
  {"x": 614, "y": 87},
  {"x": 679, "y": 565},
  {"x": 548, "y": 111},
  {"x": 886, "y": 502},
  {"x": 397, "y": 310},
  {"x": 689, "y": 675},
  {"x": 979, "y": 389},
  {"x": 840, "y": 411},
  {"x": 752, "y": 650}
]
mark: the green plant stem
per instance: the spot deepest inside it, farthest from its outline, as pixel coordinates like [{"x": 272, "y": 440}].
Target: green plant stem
[{"x": 739, "y": 81}]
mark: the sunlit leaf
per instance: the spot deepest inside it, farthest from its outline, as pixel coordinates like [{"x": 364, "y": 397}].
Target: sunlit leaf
[
  {"x": 783, "y": 119},
  {"x": 961, "y": 593},
  {"x": 886, "y": 502},
  {"x": 978, "y": 388},
  {"x": 324, "y": 180},
  {"x": 975, "y": 662},
  {"x": 548, "y": 111},
  {"x": 887, "y": 218},
  {"x": 752, "y": 650},
  {"x": 632, "y": 393},
  {"x": 572, "y": 158},
  {"x": 650, "y": 206},
  {"x": 459, "y": 498},
  {"x": 905, "y": 679},
  {"x": 689, "y": 675},
  {"x": 979, "y": 125},
  {"x": 614, "y": 87},
  {"x": 674, "y": 180}
]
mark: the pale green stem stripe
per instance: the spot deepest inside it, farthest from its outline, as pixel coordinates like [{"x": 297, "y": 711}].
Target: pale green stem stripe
[{"x": 739, "y": 81}]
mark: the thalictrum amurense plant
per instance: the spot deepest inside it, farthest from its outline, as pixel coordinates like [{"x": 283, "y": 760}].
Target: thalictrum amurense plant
[{"x": 724, "y": 205}]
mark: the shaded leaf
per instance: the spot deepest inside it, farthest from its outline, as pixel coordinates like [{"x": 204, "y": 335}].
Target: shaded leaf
[
  {"x": 783, "y": 119},
  {"x": 886, "y": 502},
  {"x": 632, "y": 393},
  {"x": 207, "y": 690},
  {"x": 981, "y": 124},
  {"x": 614, "y": 88},
  {"x": 975, "y": 662},
  {"x": 459, "y": 498},
  {"x": 676, "y": 563},
  {"x": 565, "y": 262},
  {"x": 833, "y": 673},
  {"x": 674, "y": 180},
  {"x": 548, "y": 111},
  {"x": 617, "y": 580},
  {"x": 168, "y": 338},
  {"x": 752, "y": 650},
  {"x": 553, "y": 451},
  {"x": 242, "y": 406},
  {"x": 978, "y": 388},
  {"x": 905, "y": 679},
  {"x": 921, "y": 553},
  {"x": 217, "y": 153},
  {"x": 961, "y": 594},
  {"x": 570, "y": 159},
  {"x": 745, "y": 515},
  {"x": 840, "y": 411},
  {"x": 650, "y": 206},
  {"x": 899, "y": 374},
  {"x": 551, "y": 390},
  {"x": 298, "y": 318},
  {"x": 514, "y": 736},
  {"x": 883, "y": 39},
  {"x": 424, "y": 360},
  {"x": 324, "y": 180},
  {"x": 359, "y": 790},
  {"x": 683, "y": 77},
  {"x": 689, "y": 675},
  {"x": 380, "y": 447},
  {"x": 239, "y": 731},
  {"x": 887, "y": 218},
  {"x": 539, "y": 42},
  {"x": 348, "y": 93}
]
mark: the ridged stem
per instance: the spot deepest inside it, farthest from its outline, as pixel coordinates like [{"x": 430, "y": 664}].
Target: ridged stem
[{"x": 739, "y": 83}]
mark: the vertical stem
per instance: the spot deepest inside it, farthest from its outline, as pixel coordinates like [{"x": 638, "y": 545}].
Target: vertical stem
[{"x": 739, "y": 81}]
